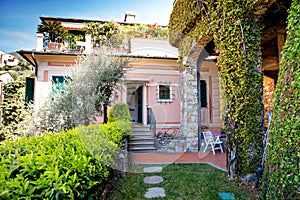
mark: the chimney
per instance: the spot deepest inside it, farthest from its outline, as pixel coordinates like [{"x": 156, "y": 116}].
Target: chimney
[
  {"x": 39, "y": 41},
  {"x": 129, "y": 16}
]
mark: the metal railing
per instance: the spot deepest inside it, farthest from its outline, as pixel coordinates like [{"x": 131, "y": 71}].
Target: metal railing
[{"x": 151, "y": 121}]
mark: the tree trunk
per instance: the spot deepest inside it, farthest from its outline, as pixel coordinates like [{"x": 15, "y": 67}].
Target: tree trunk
[{"x": 105, "y": 118}]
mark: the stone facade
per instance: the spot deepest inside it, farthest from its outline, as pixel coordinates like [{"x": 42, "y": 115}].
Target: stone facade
[{"x": 189, "y": 101}]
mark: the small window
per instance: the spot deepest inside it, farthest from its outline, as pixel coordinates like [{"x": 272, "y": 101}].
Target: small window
[
  {"x": 164, "y": 93},
  {"x": 59, "y": 79}
]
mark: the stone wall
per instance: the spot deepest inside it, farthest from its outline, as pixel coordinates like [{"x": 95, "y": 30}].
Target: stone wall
[{"x": 189, "y": 101}]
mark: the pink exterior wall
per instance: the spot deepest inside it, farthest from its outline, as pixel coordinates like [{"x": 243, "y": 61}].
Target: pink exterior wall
[
  {"x": 165, "y": 112},
  {"x": 155, "y": 72}
]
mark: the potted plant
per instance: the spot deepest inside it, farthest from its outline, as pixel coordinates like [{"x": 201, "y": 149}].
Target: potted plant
[{"x": 53, "y": 32}]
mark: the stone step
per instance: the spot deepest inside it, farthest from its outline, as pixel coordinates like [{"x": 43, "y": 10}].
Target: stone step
[
  {"x": 141, "y": 140},
  {"x": 141, "y": 143},
  {"x": 141, "y": 137},
  {"x": 141, "y": 128},
  {"x": 142, "y": 149}
]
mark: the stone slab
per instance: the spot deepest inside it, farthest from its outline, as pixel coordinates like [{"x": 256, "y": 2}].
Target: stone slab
[
  {"x": 155, "y": 192},
  {"x": 153, "y": 179},
  {"x": 153, "y": 169}
]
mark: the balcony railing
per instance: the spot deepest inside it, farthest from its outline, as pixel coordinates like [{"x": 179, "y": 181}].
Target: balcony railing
[{"x": 81, "y": 48}]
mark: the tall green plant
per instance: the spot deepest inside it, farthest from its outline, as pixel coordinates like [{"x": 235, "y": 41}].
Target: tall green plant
[{"x": 282, "y": 170}]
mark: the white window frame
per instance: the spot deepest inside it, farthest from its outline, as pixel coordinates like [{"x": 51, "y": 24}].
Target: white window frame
[{"x": 170, "y": 97}]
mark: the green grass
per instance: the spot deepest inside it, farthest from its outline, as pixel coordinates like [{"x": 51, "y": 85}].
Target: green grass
[{"x": 182, "y": 181}]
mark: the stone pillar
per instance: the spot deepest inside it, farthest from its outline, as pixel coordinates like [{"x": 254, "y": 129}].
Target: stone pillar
[
  {"x": 190, "y": 120},
  {"x": 39, "y": 42}
]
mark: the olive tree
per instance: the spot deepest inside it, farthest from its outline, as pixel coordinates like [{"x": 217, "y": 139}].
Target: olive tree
[{"x": 86, "y": 94}]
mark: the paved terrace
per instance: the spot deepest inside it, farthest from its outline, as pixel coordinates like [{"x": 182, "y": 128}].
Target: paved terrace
[{"x": 218, "y": 161}]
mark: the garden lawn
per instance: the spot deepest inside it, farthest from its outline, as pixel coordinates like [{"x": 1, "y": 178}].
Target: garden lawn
[{"x": 182, "y": 181}]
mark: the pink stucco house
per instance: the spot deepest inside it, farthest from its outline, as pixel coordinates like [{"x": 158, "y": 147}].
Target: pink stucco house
[{"x": 152, "y": 82}]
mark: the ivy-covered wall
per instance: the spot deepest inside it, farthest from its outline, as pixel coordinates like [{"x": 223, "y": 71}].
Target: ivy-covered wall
[
  {"x": 237, "y": 35},
  {"x": 282, "y": 169},
  {"x": 236, "y": 29}
]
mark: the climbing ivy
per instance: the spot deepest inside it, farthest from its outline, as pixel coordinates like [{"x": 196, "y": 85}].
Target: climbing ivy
[
  {"x": 282, "y": 170},
  {"x": 237, "y": 37},
  {"x": 236, "y": 29}
]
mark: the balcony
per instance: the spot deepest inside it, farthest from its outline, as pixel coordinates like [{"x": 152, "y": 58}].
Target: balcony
[{"x": 76, "y": 46}]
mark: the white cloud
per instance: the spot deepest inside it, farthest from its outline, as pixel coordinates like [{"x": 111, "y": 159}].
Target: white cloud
[
  {"x": 17, "y": 34},
  {"x": 16, "y": 40}
]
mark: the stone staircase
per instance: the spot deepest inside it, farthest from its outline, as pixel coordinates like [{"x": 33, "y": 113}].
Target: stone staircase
[{"x": 141, "y": 140}]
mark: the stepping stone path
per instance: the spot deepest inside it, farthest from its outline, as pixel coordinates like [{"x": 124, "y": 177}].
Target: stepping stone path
[
  {"x": 153, "y": 179},
  {"x": 152, "y": 169},
  {"x": 154, "y": 192}
]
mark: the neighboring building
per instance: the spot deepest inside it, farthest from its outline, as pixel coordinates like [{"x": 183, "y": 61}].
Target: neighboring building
[
  {"x": 152, "y": 81},
  {"x": 7, "y": 60},
  {"x": 6, "y": 77}
]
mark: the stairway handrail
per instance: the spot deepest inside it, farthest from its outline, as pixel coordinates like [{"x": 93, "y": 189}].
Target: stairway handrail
[{"x": 152, "y": 121}]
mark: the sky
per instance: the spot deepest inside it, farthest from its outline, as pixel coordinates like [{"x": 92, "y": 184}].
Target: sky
[{"x": 19, "y": 18}]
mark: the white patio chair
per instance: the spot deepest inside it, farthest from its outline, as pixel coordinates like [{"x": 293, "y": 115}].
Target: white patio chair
[{"x": 213, "y": 141}]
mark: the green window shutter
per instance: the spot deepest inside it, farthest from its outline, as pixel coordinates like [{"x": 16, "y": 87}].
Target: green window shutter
[
  {"x": 29, "y": 91},
  {"x": 203, "y": 93},
  {"x": 58, "y": 84}
]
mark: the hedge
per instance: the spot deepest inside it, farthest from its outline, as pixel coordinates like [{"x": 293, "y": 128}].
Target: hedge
[{"x": 74, "y": 164}]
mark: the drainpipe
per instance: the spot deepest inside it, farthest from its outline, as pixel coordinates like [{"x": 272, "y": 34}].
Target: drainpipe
[{"x": 35, "y": 76}]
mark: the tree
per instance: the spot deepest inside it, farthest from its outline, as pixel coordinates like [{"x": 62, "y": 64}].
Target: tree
[
  {"x": 52, "y": 30},
  {"x": 90, "y": 88}
]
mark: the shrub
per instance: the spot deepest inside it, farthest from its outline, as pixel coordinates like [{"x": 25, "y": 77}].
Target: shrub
[
  {"x": 117, "y": 131},
  {"x": 66, "y": 165},
  {"x": 119, "y": 119},
  {"x": 119, "y": 112}
]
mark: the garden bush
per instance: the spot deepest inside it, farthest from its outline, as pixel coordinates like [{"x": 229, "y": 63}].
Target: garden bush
[
  {"x": 119, "y": 112},
  {"x": 74, "y": 164},
  {"x": 119, "y": 116}
]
